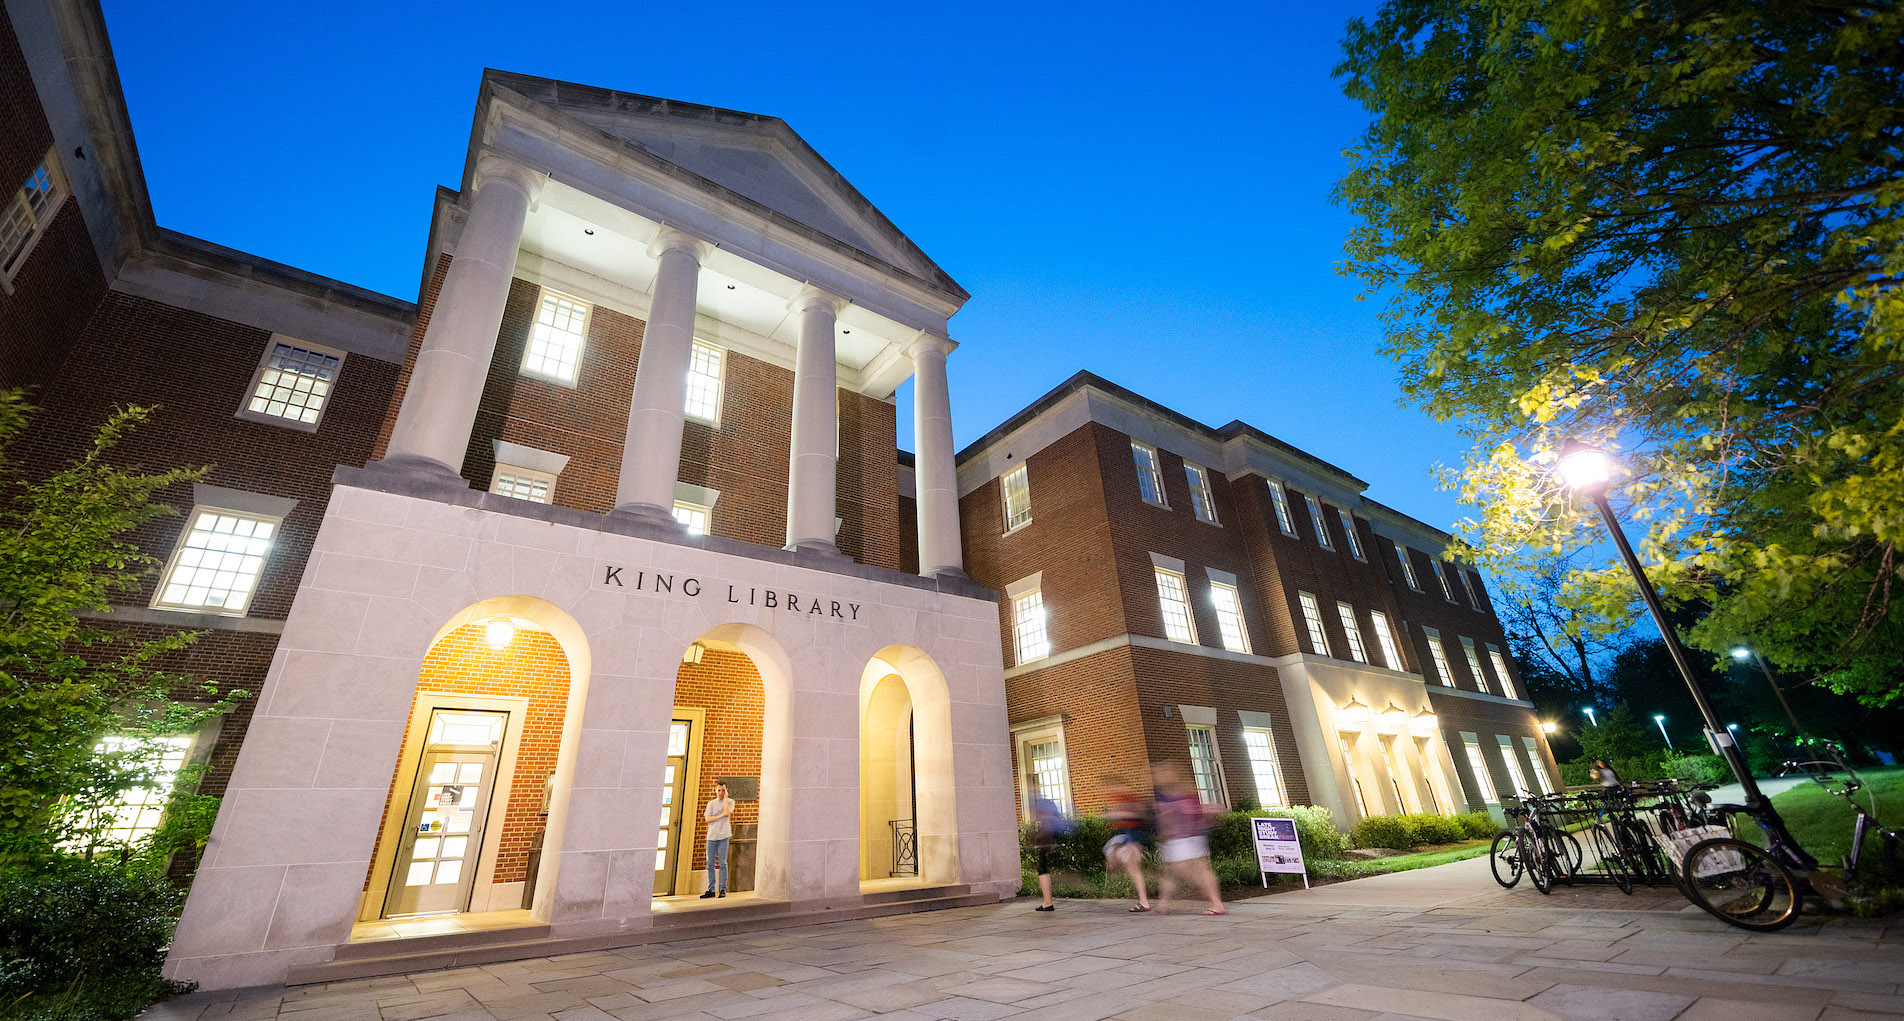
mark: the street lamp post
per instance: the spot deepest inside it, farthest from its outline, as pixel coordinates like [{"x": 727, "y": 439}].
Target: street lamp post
[
  {"x": 1660, "y": 720},
  {"x": 1585, "y": 469},
  {"x": 1589, "y": 711},
  {"x": 1741, "y": 653}
]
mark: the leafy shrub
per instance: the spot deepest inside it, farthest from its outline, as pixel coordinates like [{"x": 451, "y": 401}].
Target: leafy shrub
[
  {"x": 1698, "y": 768},
  {"x": 1416, "y": 829},
  {"x": 1316, "y": 829},
  {"x": 1476, "y": 825},
  {"x": 1230, "y": 836},
  {"x": 1395, "y": 831},
  {"x": 1079, "y": 852},
  {"x": 84, "y": 941}
]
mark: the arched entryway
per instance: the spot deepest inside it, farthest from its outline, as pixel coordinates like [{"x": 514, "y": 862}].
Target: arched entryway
[
  {"x": 905, "y": 770},
  {"x": 469, "y": 815}
]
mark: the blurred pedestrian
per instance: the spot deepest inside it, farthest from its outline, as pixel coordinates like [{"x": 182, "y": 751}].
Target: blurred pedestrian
[
  {"x": 1604, "y": 775},
  {"x": 1183, "y": 829},
  {"x": 1130, "y": 822},
  {"x": 1047, "y": 825}
]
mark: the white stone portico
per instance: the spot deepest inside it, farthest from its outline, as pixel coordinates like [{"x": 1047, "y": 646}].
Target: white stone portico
[{"x": 282, "y": 878}]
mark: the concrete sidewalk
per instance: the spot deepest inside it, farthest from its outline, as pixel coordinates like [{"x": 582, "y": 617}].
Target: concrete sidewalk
[{"x": 1443, "y": 943}]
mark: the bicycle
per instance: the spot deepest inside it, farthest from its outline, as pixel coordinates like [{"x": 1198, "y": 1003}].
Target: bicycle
[{"x": 1534, "y": 847}]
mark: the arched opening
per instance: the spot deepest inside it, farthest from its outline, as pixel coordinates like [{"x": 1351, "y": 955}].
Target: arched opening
[
  {"x": 469, "y": 821},
  {"x": 888, "y": 843},
  {"x": 902, "y": 685}
]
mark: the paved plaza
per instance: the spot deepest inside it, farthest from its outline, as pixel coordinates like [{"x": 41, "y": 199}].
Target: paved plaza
[{"x": 1441, "y": 943}]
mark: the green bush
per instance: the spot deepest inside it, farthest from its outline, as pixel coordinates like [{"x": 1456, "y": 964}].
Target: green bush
[
  {"x": 1079, "y": 852},
  {"x": 1477, "y": 825},
  {"x": 83, "y": 941},
  {"x": 1418, "y": 829},
  {"x": 1230, "y": 836},
  {"x": 1698, "y": 768},
  {"x": 1392, "y": 831}
]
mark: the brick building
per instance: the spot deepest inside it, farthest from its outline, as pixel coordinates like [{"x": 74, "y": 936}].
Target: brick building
[
  {"x": 515, "y": 571},
  {"x": 1222, "y": 599}
]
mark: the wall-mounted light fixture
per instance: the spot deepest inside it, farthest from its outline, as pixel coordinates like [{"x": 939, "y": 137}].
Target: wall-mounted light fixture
[
  {"x": 1354, "y": 713},
  {"x": 1548, "y": 726},
  {"x": 696, "y": 652},
  {"x": 1394, "y": 717},
  {"x": 1425, "y": 722},
  {"x": 499, "y": 632}
]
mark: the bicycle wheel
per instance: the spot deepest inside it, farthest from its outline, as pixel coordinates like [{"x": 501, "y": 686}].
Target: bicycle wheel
[
  {"x": 1741, "y": 885},
  {"x": 1565, "y": 852},
  {"x": 1608, "y": 858},
  {"x": 1504, "y": 857},
  {"x": 1534, "y": 862}
]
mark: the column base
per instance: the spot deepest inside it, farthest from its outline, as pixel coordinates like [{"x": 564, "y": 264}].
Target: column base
[
  {"x": 820, "y": 547},
  {"x": 417, "y": 466},
  {"x": 954, "y": 573},
  {"x": 646, "y": 516}
]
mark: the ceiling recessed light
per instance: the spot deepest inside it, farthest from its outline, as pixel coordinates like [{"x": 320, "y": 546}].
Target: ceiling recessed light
[
  {"x": 730, "y": 287},
  {"x": 846, "y": 331},
  {"x": 590, "y": 231}
]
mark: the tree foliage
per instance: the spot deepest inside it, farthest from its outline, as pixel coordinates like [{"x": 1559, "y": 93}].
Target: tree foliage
[
  {"x": 65, "y": 680},
  {"x": 1672, "y": 230}
]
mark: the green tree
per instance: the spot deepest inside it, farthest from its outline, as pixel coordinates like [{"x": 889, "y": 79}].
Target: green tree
[
  {"x": 1672, "y": 230},
  {"x": 65, "y": 680}
]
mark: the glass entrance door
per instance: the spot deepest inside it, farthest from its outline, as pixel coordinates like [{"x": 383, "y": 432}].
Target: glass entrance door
[
  {"x": 435, "y": 867},
  {"x": 674, "y": 805}
]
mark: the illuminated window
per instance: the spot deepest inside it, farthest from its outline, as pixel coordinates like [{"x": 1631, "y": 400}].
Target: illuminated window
[
  {"x": 139, "y": 809},
  {"x": 693, "y": 517},
  {"x": 1205, "y": 767},
  {"x": 1467, "y": 582},
  {"x": 1427, "y": 779},
  {"x": 556, "y": 339},
  {"x": 1150, "y": 479},
  {"x": 1312, "y": 616},
  {"x": 1178, "y": 625},
  {"x": 1229, "y": 616},
  {"x": 1016, "y": 486},
  {"x": 523, "y": 484},
  {"x": 1442, "y": 577},
  {"x": 293, "y": 383},
  {"x": 1474, "y": 664},
  {"x": 1347, "y": 741},
  {"x": 1041, "y": 764},
  {"x": 1315, "y": 518},
  {"x": 25, "y": 214},
  {"x": 1481, "y": 776},
  {"x": 1280, "y": 500},
  {"x": 1444, "y": 673},
  {"x": 1348, "y": 530},
  {"x": 217, "y": 562},
  {"x": 1028, "y": 626},
  {"x": 1513, "y": 764},
  {"x": 1500, "y": 671},
  {"x": 1262, "y": 757},
  {"x": 1394, "y": 771},
  {"x": 1543, "y": 778},
  {"x": 1200, "y": 499},
  {"x": 1391, "y": 653},
  {"x": 1351, "y": 631},
  {"x": 704, "y": 383},
  {"x": 1408, "y": 567}
]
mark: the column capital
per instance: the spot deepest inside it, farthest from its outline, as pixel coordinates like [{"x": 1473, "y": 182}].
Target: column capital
[
  {"x": 671, "y": 240},
  {"x": 813, "y": 297},
  {"x": 929, "y": 342},
  {"x": 495, "y": 167}
]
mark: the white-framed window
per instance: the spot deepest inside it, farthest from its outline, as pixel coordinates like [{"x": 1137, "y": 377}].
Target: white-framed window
[
  {"x": 1280, "y": 500},
  {"x": 1513, "y": 764},
  {"x": 1385, "y": 637},
  {"x": 521, "y": 483},
  {"x": 1348, "y": 530},
  {"x": 1206, "y": 767},
  {"x": 216, "y": 565},
  {"x": 557, "y": 337},
  {"x": 1312, "y": 616},
  {"x": 1441, "y": 576},
  {"x": 1347, "y": 741},
  {"x": 1042, "y": 765},
  {"x": 1315, "y": 518},
  {"x": 707, "y": 367},
  {"x": 1016, "y": 486},
  {"x": 1173, "y": 596},
  {"x": 292, "y": 384},
  {"x": 1408, "y": 566},
  {"x": 1229, "y": 616},
  {"x": 1394, "y": 770},
  {"x": 1028, "y": 626},
  {"x": 1543, "y": 777},
  {"x": 1443, "y": 672},
  {"x": 1200, "y": 499},
  {"x": 1427, "y": 775},
  {"x": 1150, "y": 477},
  {"x": 1474, "y": 664},
  {"x": 1352, "y": 632},
  {"x": 1261, "y": 748},
  {"x": 693, "y": 517},
  {"x": 1467, "y": 582},
  {"x": 1478, "y": 764},
  {"x": 1500, "y": 671},
  {"x": 25, "y": 214},
  {"x": 139, "y": 809}
]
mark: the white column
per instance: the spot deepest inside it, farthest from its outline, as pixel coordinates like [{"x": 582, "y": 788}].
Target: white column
[
  {"x": 813, "y": 464},
  {"x": 446, "y": 383},
  {"x": 937, "y": 482},
  {"x": 651, "y": 453}
]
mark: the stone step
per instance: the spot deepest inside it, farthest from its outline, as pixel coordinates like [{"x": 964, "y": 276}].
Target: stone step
[{"x": 442, "y": 941}]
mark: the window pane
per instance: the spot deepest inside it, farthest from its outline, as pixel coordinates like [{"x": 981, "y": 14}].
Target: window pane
[
  {"x": 1390, "y": 653},
  {"x": 555, "y": 341},
  {"x": 1044, "y": 758},
  {"x": 519, "y": 486},
  {"x": 1178, "y": 626},
  {"x": 1500, "y": 671},
  {"x": 1348, "y": 530},
  {"x": 1312, "y": 616},
  {"x": 1467, "y": 582},
  {"x": 1513, "y": 764},
  {"x": 1408, "y": 567},
  {"x": 1150, "y": 481},
  {"x": 1262, "y": 756},
  {"x": 1280, "y": 500},
  {"x": 1229, "y": 617},
  {"x": 139, "y": 809},
  {"x": 1315, "y": 519},
  {"x": 1203, "y": 766},
  {"x": 1352, "y": 632},
  {"x": 16, "y": 229},
  {"x": 1442, "y": 577},
  {"x": 1481, "y": 775},
  {"x": 1444, "y": 673},
  {"x": 1474, "y": 665},
  {"x": 704, "y": 382},
  {"x": 1355, "y": 778},
  {"x": 294, "y": 383},
  {"x": 1200, "y": 500},
  {"x": 1028, "y": 625},
  {"x": 218, "y": 562},
  {"x": 693, "y": 518},
  {"x": 1017, "y": 486}
]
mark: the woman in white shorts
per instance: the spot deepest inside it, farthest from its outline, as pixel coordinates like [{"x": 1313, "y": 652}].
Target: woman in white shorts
[{"x": 1183, "y": 828}]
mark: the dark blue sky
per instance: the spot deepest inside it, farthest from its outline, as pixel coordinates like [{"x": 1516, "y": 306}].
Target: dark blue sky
[{"x": 1138, "y": 190}]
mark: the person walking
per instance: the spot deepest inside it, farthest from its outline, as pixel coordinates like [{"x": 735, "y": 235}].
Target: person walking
[
  {"x": 1604, "y": 775},
  {"x": 1130, "y": 820},
  {"x": 720, "y": 831},
  {"x": 1183, "y": 829},
  {"x": 1047, "y": 824}
]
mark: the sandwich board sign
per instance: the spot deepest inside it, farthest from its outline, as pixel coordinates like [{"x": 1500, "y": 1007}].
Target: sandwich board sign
[{"x": 1277, "y": 849}]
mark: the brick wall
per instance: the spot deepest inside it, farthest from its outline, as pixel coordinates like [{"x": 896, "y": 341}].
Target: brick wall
[
  {"x": 533, "y": 667},
  {"x": 728, "y": 688},
  {"x": 1103, "y": 722}
]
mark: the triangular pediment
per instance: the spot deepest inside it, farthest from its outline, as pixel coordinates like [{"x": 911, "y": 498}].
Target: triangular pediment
[{"x": 754, "y": 156}]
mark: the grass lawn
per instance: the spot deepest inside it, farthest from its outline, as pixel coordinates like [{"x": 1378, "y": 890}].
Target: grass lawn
[
  {"x": 1418, "y": 860},
  {"x": 1822, "y": 822}
]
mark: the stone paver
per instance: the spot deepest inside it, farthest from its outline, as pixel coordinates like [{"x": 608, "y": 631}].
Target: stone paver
[{"x": 1440, "y": 943}]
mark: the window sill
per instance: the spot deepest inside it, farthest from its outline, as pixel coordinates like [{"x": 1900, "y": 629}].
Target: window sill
[
  {"x": 543, "y": 377},
  {"x": 1019, "y": 527},
  {"x": 1156, "y": 504},
  {"x": 1212, "y": 522},
  {"x": 248, "y": 415}
]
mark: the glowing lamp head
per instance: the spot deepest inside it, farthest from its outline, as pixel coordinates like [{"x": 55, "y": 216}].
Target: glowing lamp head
[
  {"x": 1549, "y": 726},
  {"x": 499, "y": 632},
  {"x": 1355, "y": 714},
  {"x": 1741, "y": 653},
  {"x": 1394, "y": 717},
  {"x": 1659, "y": 717},
  {"x": 1425, "y": 722},
  {"x": 1583, "y": 467}
]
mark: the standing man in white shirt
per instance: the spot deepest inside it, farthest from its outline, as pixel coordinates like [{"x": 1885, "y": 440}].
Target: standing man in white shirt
[{"x": 720, "y": 830}]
